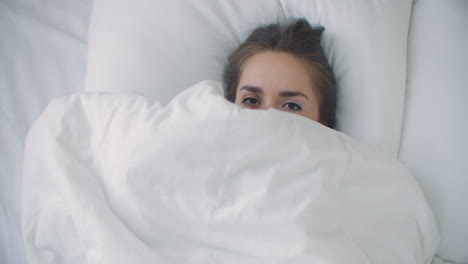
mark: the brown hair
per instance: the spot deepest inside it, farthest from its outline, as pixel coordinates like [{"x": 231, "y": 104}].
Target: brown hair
[{"x": 299, "y": 39}]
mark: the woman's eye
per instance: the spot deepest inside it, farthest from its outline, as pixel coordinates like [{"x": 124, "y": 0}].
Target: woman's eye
[
  {"x": 293, "y": 106},
  {"x": 250, "y": 101}
]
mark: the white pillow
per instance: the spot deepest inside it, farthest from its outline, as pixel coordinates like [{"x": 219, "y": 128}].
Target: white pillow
[{"x": 158, "y": 48}]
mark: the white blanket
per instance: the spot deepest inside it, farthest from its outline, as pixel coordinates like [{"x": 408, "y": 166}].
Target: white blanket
[{"x": 117, "y": 178}]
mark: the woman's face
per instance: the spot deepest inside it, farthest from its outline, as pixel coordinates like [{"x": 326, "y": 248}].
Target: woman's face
[{"x": 273, "y": 79}]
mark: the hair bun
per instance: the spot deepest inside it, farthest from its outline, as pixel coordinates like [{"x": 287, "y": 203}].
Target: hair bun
[{"x": 301, "y": 25}]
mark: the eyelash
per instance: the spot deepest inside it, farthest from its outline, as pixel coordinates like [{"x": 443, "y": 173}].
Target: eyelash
[
  {"x": 248, "y": 98},
  {"x": 295, "y": 105}
]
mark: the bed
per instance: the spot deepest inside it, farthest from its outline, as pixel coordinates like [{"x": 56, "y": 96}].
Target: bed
[{"x": 45, "y": 55}]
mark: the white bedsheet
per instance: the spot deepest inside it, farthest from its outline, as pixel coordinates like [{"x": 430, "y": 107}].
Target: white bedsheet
[
  {"x": 115, "y": 178},
  {"x": 43, "y": 48}
]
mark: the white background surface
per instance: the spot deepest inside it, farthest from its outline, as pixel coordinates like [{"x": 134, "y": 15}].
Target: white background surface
[{"x": 42, "y": 55}]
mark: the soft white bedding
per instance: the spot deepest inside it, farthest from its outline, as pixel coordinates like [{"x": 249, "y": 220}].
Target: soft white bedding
[
  {"x": 436, "y": 103},
  {"x": 43, "y": 46},
  {"x": 116, "y": 178}
]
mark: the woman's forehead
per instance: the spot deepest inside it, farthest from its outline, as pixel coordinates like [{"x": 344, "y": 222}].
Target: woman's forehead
[{"x": 277, "y": 72}]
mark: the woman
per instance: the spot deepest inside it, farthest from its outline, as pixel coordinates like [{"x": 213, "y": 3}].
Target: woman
[{"x": 283, "y": 66}]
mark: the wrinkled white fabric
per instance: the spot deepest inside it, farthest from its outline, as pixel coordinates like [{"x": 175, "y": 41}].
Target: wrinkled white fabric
[{"x": 117, "y": 178}]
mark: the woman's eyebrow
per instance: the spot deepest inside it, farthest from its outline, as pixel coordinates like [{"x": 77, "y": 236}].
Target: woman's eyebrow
[
  {"x": 253, "y": 89},
  {"x": 256, "y": 89},
  {"x": 292, "y": 93}
]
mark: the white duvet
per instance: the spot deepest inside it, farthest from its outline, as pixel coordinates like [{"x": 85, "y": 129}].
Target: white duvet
[{"x": 117, "y": 178}]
